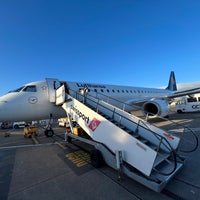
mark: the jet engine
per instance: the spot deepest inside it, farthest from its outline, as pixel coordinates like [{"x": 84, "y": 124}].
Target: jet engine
[{"x": 156, "y": 108}]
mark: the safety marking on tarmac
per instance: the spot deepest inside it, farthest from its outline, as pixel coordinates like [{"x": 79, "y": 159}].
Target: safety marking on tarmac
[
  {"x": 79, "y": 158},
  {"x": 78, "y": 161}
]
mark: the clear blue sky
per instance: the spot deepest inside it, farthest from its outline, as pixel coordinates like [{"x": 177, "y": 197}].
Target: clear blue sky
[{"x": 126, "y": 42}]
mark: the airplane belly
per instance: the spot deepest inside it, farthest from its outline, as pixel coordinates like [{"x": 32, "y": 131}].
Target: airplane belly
[{"x": 27, "y": 112}]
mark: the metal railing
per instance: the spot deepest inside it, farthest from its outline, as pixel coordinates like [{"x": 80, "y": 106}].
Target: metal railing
[
  {"x": 161, "y": 140},
  {"x": 98, "y": 98},
  {"x": 125, "y": 106}
]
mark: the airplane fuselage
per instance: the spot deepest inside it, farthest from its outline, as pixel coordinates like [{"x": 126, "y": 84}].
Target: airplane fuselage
[{"x": 36, "y": 100}]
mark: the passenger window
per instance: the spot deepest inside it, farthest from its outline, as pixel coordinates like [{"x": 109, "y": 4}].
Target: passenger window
[{"x": 30, "y": 88}]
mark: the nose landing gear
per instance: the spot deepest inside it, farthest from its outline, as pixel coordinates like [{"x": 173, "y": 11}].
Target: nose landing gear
[{"x": 48, "y": 130}]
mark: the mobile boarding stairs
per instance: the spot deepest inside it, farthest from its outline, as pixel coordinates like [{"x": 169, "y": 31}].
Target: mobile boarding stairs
[{"x": 125, "y": 142}]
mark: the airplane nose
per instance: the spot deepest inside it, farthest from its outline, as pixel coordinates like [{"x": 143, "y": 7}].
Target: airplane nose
[
  {"x": 9, "y": 109},
  {"x": 3, "y": 111}
]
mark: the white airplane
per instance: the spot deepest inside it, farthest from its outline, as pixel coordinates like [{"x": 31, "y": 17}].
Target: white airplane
[{"x": 36, "y": 100}]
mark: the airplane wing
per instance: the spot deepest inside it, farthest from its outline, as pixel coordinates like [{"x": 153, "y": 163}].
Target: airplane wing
[
  {"x": 184, "y": 93},
  {"x": 138, "y": 103},
  {"x": 141, "y": 101}
]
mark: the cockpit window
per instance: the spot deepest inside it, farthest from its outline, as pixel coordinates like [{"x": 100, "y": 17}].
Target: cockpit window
[
  {"x": 30, "y": 88},
  {"x": 17, "y": 90}
]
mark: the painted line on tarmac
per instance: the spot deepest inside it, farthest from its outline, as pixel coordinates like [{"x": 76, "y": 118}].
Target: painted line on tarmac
[
  {"x": 35, "y": 140},
  {"x": 27, "y": 145},
  {"x": 61, "y": 146},
  {"x": 181, "y": 130},
  {"x": 12, "y": 132}
]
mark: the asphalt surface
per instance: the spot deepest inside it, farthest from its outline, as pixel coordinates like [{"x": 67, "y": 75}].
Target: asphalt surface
[{"x": 49, "y": 168}]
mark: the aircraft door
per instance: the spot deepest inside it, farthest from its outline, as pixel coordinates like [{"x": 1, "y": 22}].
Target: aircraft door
[{"x": 52, "y": 84}]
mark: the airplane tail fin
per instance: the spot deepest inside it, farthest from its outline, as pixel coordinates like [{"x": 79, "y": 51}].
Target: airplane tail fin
[{"x": 172, "y": 82}]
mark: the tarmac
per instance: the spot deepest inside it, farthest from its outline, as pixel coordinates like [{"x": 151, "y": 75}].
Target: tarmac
[{"x": 49, "y": 168}]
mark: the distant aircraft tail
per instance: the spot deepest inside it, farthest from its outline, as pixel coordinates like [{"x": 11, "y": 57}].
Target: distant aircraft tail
[{"x": 172, "y": 82}]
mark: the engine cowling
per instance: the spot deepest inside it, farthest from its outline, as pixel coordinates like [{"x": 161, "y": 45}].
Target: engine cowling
[{"x": 156, "y": 108}]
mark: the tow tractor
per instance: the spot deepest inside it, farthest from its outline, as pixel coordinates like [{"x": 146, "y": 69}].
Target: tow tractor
[{"x": 29, "y": 131}]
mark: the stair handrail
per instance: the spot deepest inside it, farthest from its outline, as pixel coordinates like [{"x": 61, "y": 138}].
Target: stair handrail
[
  {"x": 140, "y": 108},
  {"x": 77, "y": 94},
  {"x": 171, "y": 149},
  {"x": 185, "y": 127},
  {"x": 159, "y": 137}
]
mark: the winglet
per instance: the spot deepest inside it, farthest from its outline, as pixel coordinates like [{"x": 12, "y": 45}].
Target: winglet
[{"x": 172, "y": 82}]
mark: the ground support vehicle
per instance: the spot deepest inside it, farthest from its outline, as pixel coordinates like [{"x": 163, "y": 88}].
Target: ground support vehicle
[
  {"x": 123, "y": 141},
  {"x": 29, "y": 131},
  {"x": 188, "y": 104}
]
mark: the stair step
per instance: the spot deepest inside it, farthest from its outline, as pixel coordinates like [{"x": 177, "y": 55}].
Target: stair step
[
  {"x": 122, "y": 127},
  {"x": 102, "y": 114},
  {"x": 161, "y": 158},
  {"x": 167, "y": 169},
  {"x": 132, "y": 133},
  {"x": 153, "y": 146},
  {"x": 143, "y": 140}
]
